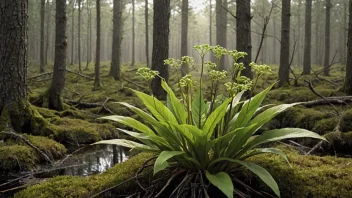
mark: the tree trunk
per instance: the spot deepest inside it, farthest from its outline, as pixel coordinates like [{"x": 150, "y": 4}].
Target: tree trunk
[
  {"x": 115, "y": 69},
  {"x": 48, "y": 25},
  {"x": 327, "y": 39},
  {"x": 285, "y": 43},
  {"x": 73, "y": 34},
  {"x": 89, "y": 33},
  {"x": 299, "y": 53},
  {"x": 274, "y": 41},
  {"x": 348, "y": 80},
  {"x": 13, "y": 67},
  {"x": 146, "y": 15},
  {"x": 211, "y": 23},
  {"x": 133, "y": 34},
  {"x": 344, "y": 33},
  {"x": 42, "y": 36},
  {"x": 184, "y": 35},
  {"x": 97, "y": 53},
  {"x": 221, "y": 28},
  {"x": 160, "y": 45},
  {"x": 317, "y": 33},
  {"x": 79, "y": 37},
  {"x": 58, "y": 82},
  {"x": 243, "y": 36},
  {"x": 308, "y": 39}
]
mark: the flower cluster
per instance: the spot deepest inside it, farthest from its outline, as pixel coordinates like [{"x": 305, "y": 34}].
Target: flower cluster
[
  {"x": 187, "y": 60},
  {"x": 236, "y": 55},
  {"x": 147, "y": 73},
  {"x": 218, "y": 51},
  {"x": 210, "y": 65},
  {"x": 202, "y": 49},
  {"x": 239, "y": 66},
  {"x": 261, "y": 69},
  {"x": 233, "y": 87},
  {"x": 173, "y": 63},
  {"x": 186, "y": 81},
  {"x": 217, "y": 75}
]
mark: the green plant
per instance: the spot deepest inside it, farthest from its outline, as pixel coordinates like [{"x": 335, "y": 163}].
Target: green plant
[{"x": 211, "y": 139}]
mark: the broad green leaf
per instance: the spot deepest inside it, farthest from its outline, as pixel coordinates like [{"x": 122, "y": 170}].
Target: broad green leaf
[
  {"x": 262, "y": 173},
  {"x": 177, "y": 107},
  {"x": 199, "y": 110},
  {"x": 215, "y": 117},
  {"x": 267, "y": 150},
  {"x": 161, "y": 162},
  {"x": 236, "y": 143},
  {"x": 279, "y": 134},
  {"x": 131, "y": 123},
  {"x": 128, "y": 144},
  {"x": 249, "y": 108},
  {"x": 222, "y": 181},
  {"x": 269, "y": 114},
  {"x": 157, "y": 108}
]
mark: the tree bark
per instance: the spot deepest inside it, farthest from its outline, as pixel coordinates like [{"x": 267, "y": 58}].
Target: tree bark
[
  {"x": 73, "y": 34},
  {"x": 115, "y": 69},
  {"x": 243, "y": 36},
  {"x": 89, "y": 33},
  {"x": 97, "y": 53},
  {"x": 58, "y": 82},
  {"x": 184, "y": 35},
  {"x": 79, "y": 37},
  {"x": 160, "y": 45},
  {"x": 133, "y": 34},
  {"x": 327, "y": 38},
  {"x": 348, "y": 78},
  {"x": 308, "y": 39},
  {"x": 42, "y": 36},
  {"x": 221, "y": 27},
  {"x": 13, "y": 67},
  {"x": 48, "y": 28},
  {"x": 146, "y": 18},
  {"x": 285, "y": 43}
]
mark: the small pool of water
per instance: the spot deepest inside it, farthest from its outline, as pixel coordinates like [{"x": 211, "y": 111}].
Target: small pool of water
[{"x": 80, "y": 161}]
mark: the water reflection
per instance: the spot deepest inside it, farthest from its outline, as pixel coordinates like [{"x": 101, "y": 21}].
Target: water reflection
[{"x": 91, "y": 159}]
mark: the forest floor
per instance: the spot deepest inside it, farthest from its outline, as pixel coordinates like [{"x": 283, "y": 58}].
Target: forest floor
[{"x": 79, "y": 125}]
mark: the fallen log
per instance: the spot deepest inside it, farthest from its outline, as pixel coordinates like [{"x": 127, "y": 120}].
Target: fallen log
[{"x": 343, "y": 100}]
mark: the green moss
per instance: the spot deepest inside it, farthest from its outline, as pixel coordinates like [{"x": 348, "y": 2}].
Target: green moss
[
  {"x": 80, "y": 131},
  {"x": 325, "y": 125},
  {"x": 346, "y": 121},
  {"x": 46, "y": 113},
  {"x": 70, "y": 186},
  {"x": 17, "y": 157},
  {"x": 50, "y": 147},
  {"x": 339, "y": 142},
  {"x": 301, "y": 117},
  {"x": 310, "y": 176}
]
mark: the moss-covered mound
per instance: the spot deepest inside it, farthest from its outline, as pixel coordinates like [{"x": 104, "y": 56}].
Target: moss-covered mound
[
  {"x": 346, "y": 121},
  {"x": 17, "y": 155},
  {"x": 310, "y": 176},
  {"x": 339, "y": 142},
  {"x": 71, "y": 186},
  {"x": 79, "y": 131}
]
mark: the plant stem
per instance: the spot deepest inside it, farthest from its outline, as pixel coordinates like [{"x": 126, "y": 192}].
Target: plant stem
[{"x": 200, "y": 91}]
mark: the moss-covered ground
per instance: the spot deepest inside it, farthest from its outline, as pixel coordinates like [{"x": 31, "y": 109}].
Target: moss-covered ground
[
  {"x": 78, "y": 125},
  {"x": 309, "y": 176}
]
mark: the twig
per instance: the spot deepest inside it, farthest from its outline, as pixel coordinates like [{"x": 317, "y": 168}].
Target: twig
[
  {"x": 81, "y": 75},
  {"x": 40, "y": 75},
  {"x": 141, "y": 170},
  {"x": 315, "y": 148},
  {"x": 140, "y": 86},
  {"x": 169, "y": 181},
  {"x": 103, "y": 105}
]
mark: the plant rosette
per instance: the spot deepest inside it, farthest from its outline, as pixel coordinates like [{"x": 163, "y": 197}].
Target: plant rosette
[{"x": 212, "y": 139}]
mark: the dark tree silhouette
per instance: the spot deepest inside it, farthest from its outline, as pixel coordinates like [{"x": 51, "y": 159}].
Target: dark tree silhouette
[
  {"x": 184, "y": 35},
  {"x": 42, "y": 36},
  {"x": 348, "y": 81},
  {"x": 327, "y": 38},
  {"x": 243, "y": 36},
  {"x": 58, "y": 82},
  {"x": 116, "y": 40},
  {"x": 285, "y": 43},
  {"x": 307, "y": 39},
  {"x": 160, "y": 45},
  {"x": 97, "y": 52}
]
